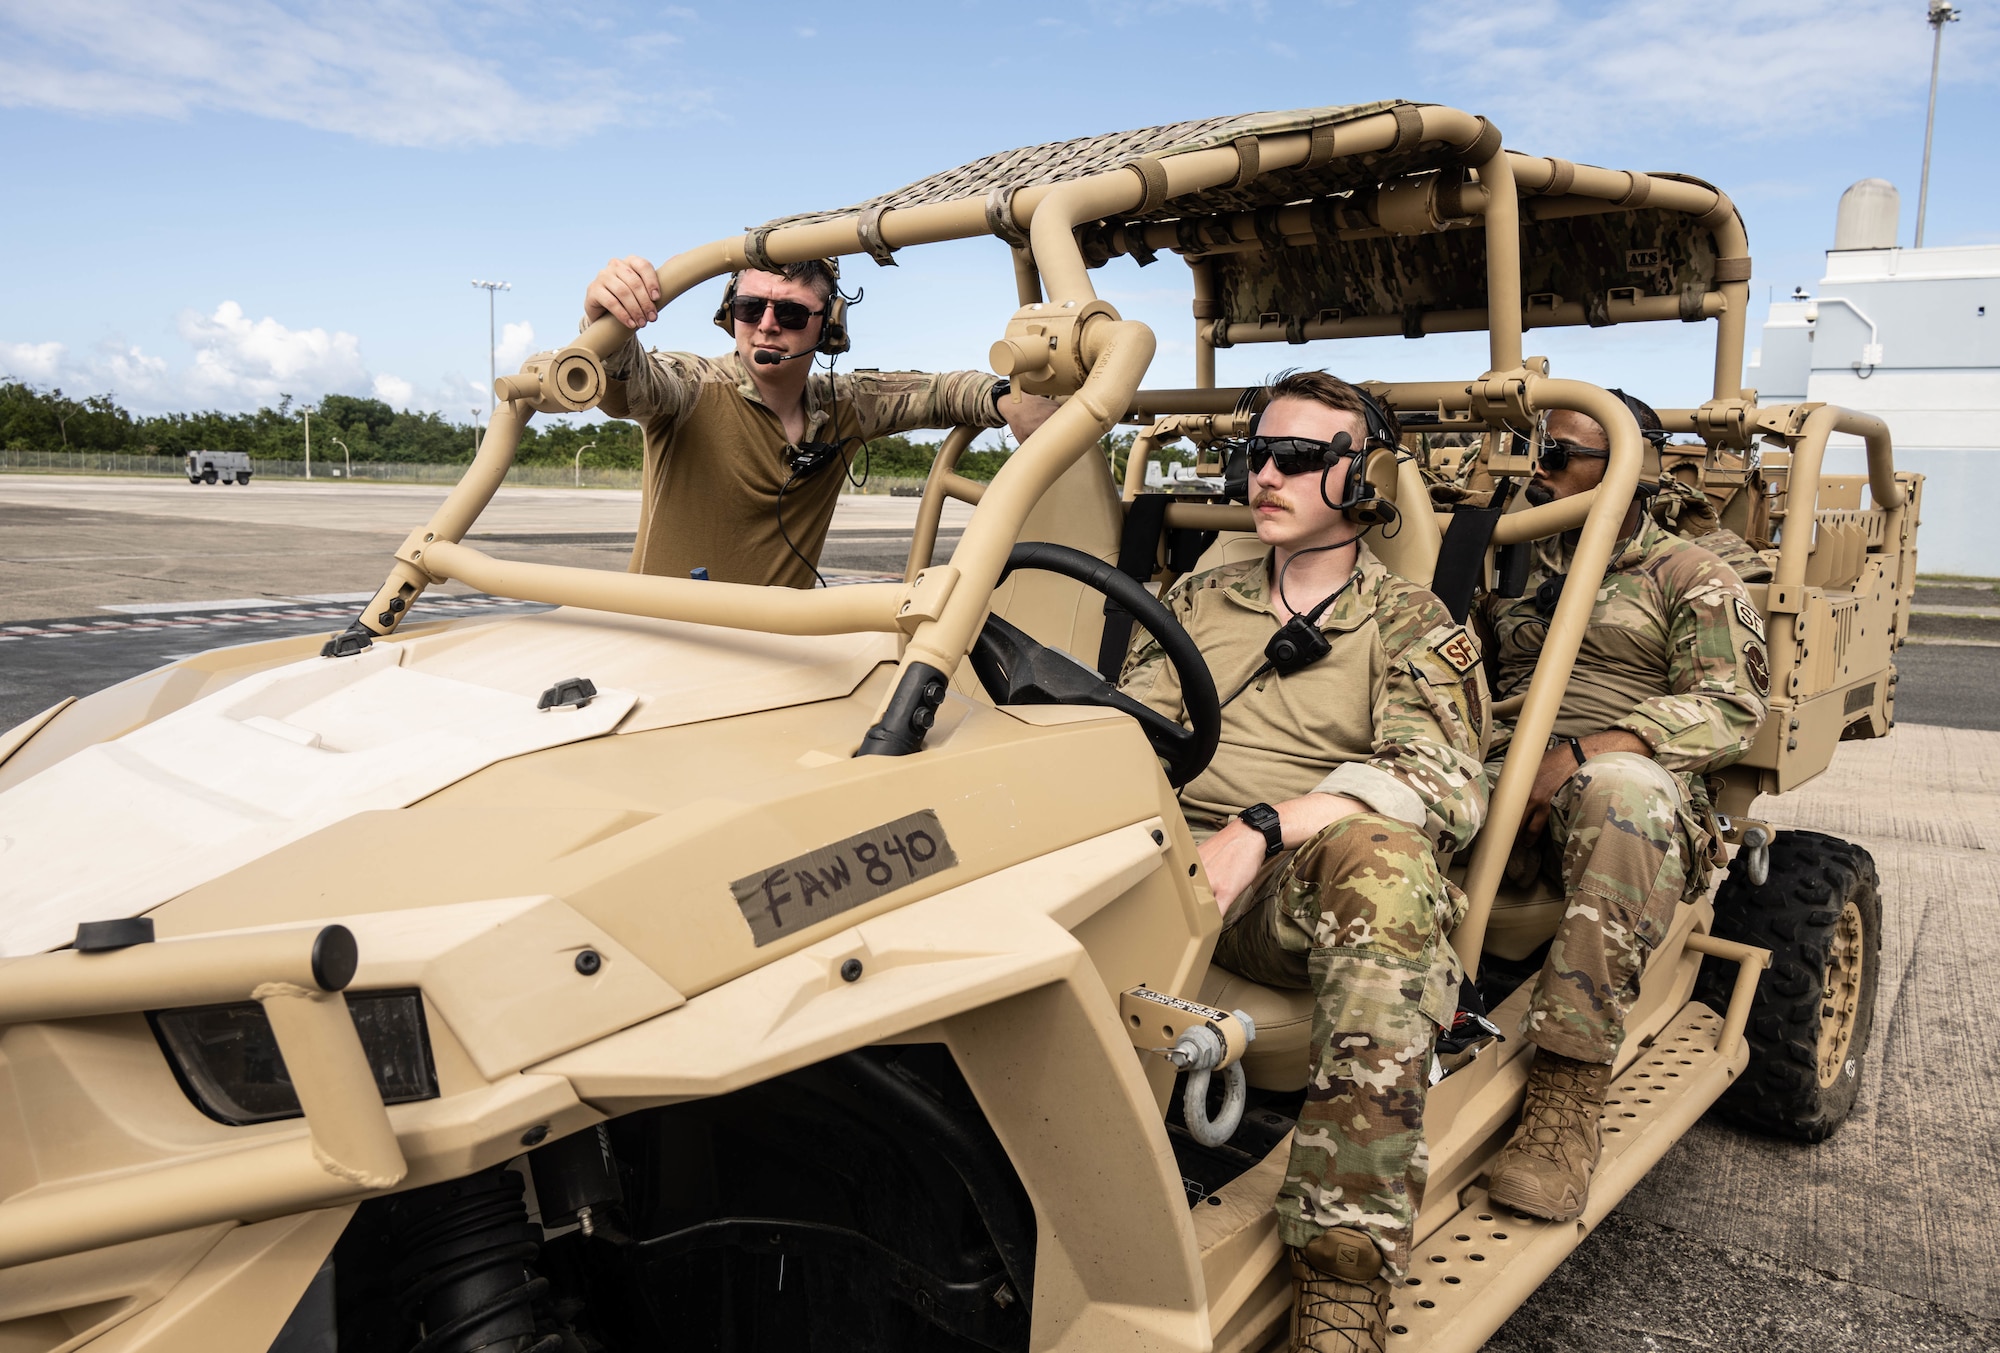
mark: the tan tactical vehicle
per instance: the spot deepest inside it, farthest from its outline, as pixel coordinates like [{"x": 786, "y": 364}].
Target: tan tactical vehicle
[{"x": 699, "y": 965}]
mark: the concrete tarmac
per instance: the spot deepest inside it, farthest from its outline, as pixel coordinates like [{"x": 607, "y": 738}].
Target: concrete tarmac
[
  {"x": 1886, "y": 1236},
  {"x": 104, "y": 578},
  {"x": 70, "y": 545}
]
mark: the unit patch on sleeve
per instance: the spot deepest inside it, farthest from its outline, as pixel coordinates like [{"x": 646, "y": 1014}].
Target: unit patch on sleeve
[
  {"x": 1759, "y": 668},
  {"x": 1461, "y": 651},
  {"x": 1748, "y": 615}
]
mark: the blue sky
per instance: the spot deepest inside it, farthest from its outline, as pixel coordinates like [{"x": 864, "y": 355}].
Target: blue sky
[{"x": 215, "y": 202}]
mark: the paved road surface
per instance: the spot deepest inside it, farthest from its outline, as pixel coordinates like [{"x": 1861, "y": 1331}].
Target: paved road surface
[
  {"x": 70, "y": 545},
  {"x": 104, "y": 578},
  {"x": 1885, "y": 1237}
]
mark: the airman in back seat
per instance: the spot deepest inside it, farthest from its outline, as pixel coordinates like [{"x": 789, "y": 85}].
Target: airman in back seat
[
  {"x": 1669, "y": 684},
  {"x": 1352, "y": 734}
]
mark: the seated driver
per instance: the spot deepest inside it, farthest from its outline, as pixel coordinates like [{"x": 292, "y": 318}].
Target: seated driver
[
  {"x": 1337, "y": 786},
  {"x": 745, "y": 457}
]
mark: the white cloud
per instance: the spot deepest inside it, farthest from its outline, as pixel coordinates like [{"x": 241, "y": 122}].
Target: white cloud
[
  {"x": 38, "y": 362},
  {"x": 115, "y": 367},
  {"x": 394, "y": 391},
  {"x": 125, "y": 367},
  {"x": 1545, "y": 69},
  {"x": 238, "y": 361},
  {"x": 235, "y": 363},
  {"x": 516, "y": 342},
  {"x": 383, "y": 71}
]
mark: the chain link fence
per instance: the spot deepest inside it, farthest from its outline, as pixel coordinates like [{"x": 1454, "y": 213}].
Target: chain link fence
[{"x": 550, "y": 476}]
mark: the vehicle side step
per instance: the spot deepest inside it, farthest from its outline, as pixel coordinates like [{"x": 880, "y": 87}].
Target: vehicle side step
[{"x": 1478, "y": 1268}]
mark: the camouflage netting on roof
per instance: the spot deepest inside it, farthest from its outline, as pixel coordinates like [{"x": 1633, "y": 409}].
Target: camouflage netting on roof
[
  {"x": 1059, "y": 161},
  {"x": 1576, "y": 258}
]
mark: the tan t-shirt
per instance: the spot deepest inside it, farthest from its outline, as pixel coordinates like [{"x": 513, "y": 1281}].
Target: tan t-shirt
[
  {"x": 717, "y": 458},
  {"x": 1394, "y": 715}
]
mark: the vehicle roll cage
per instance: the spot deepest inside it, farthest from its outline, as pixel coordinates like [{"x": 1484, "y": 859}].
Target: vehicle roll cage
[{"x": 1065, "y": 342}]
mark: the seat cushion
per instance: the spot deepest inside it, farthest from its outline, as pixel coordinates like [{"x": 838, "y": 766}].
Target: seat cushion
[{"x": 1277, "y": 1056}]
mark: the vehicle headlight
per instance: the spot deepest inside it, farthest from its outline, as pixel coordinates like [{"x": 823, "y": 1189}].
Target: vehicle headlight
[{"x": 227, "y": 1058}]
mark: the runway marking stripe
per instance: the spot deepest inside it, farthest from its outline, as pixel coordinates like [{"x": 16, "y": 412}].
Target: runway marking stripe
[{"x": 64, "y": 629}]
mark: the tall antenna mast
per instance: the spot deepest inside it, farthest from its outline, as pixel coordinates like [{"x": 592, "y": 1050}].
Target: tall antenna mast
[{"x": 1942, "y": 13}]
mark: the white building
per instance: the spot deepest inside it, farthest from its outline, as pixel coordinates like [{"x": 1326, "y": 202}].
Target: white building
[{"x": 1913, "y": 337}]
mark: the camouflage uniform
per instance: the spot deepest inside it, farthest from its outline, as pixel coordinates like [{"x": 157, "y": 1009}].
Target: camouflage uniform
[
  {"x": 1686, "y": 511},
  {"x": 716, "y": 474},
  {"x": 1674, "y": 655},
  {"x": 1394, "y": 717}
]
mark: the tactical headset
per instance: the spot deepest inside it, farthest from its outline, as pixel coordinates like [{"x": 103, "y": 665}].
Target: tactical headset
[
  {"x": 1299, "y": 644},
  {"x": 1655, "y": 437},
  {"x": 833, "y": 336},
  {"x": 1652, "y": 439},
  {"x": 1358, "y": 500},
  {"x": 1651, "y": 473}
]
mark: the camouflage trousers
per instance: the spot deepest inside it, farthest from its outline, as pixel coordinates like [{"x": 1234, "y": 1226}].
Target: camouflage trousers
[
  {"x": 1358, "y": 915},
  {"x": 1619, "y": 845}
]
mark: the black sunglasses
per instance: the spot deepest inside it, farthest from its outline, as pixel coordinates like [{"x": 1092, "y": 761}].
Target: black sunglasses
[
  {"x": 750, "y": 310},
  {"x": 1296, "y": 455},
  {"x": 1556, "y": 455}
]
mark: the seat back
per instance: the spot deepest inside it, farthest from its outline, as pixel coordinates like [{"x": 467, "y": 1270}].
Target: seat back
[{"x": 1080, "y": 510}]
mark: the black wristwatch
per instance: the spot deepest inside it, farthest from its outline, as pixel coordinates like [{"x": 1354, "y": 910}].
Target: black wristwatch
[
  {"x": 1001, "y": 389},
  {"x": 1264, "y": 818}
]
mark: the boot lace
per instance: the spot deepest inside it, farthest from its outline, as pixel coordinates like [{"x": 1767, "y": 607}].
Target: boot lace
[
  {"x": 1562, "y": 1108},
  {"x": 1332, "y": 1306}
]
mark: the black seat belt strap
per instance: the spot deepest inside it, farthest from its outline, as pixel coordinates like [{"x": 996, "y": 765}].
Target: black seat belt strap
[
  {"x": 1461, "y": 561},
  {"x": 1138, "y": 556}
]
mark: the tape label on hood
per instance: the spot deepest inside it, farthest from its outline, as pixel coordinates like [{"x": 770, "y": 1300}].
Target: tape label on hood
[{"x": 785, "y": 898}]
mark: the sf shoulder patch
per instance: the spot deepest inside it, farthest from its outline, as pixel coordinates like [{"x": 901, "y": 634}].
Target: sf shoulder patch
[
  {"x": 1748, "y": 615},
  {"x": 1461, "y": 650}
]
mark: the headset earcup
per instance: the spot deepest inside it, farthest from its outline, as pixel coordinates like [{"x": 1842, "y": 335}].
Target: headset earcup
[
  {"x": 722, "y": 320},
  {"x": 1373, "y": 511},
  {"x": 833, "y": 338}
]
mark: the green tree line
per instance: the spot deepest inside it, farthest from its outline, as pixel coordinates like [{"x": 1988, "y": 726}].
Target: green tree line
[
  {"x": 37, "y": 419},
  {"x": 33, "y": 419}
]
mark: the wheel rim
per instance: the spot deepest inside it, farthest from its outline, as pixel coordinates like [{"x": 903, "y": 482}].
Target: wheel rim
[{"x": 1840, "y": 994}]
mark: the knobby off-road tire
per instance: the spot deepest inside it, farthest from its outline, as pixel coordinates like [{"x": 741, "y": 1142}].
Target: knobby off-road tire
[{"x": 1819, "y": 912}]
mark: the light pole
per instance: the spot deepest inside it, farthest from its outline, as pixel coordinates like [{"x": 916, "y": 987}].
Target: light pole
[
  {"x": 475, "y": 433},
  {"x": 491, "y": 374},
  {"x": 347, "y": 455},
  {"x": 307, "y": 414},
  {"x": 579, "y": 461},
  {"x": 1942, "y": 13}
]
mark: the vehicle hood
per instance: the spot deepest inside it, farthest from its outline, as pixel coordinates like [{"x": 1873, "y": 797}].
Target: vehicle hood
[{"x": 126, "y": 824}]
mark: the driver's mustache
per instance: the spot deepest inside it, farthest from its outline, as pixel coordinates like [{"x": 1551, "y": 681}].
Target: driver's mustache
[{"x": 1270, "y": 500}]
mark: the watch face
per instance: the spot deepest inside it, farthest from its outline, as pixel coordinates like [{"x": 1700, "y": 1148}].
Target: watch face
[{"x": 1263, "y": 818}]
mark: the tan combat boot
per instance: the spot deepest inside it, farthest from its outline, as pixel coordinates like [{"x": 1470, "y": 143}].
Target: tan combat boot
[
  {"x": 1545, "y": 1168},
  {"x": 1340, "y": 1300}
]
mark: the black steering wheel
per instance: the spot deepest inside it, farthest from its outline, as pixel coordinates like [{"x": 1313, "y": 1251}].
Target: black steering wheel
[{"x": 1017, "y": 670}]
